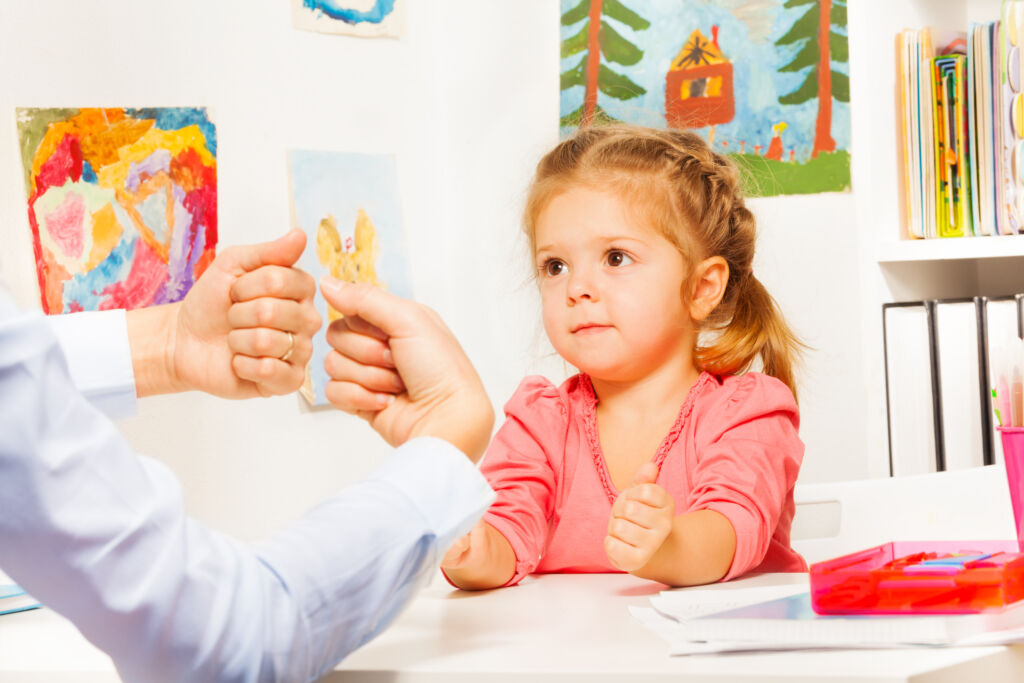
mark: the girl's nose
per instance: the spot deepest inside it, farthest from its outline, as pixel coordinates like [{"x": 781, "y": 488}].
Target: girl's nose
[{"x": 581, "y": 288}]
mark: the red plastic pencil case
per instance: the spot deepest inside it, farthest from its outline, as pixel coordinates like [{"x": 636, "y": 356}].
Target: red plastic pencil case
[{"x": 920, "y": 577}]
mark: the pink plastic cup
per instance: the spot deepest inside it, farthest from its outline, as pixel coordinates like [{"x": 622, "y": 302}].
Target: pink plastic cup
[{"x": 1013, "y": 458}]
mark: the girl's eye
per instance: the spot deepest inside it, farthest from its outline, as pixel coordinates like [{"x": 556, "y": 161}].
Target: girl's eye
[
  {"x": 553, "y": 267},
  {"x": 618, "y": 258}
]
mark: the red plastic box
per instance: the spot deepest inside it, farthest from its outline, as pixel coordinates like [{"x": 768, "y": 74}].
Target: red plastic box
[{"x": 920, "y": 577}]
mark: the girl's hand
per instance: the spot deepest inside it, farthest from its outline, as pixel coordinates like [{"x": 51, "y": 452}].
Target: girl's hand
[
  {"x": 480, "y": 560},
  {"x": 472, "y": 549},
  {"x": 640, "y": 522}
]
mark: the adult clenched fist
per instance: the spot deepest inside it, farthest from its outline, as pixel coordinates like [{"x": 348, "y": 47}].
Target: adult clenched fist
[{"x": 396, "y": 364}]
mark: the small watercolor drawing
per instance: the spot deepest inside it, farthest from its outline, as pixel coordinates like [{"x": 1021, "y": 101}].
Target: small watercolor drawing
[
  {"x": 348, "y": 206},
  {"x": 122, "y": 203},
  {"x": 360, "y": 18}
]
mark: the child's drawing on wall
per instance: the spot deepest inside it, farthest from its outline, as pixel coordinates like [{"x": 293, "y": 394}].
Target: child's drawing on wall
[
  {"x": 122, "y": 203},
  {"x": 348, "y": 206},
  {"x": 362, "y": 18},
  {"x": 352, "y": 260},
  {"x": 764, "y": 81}
]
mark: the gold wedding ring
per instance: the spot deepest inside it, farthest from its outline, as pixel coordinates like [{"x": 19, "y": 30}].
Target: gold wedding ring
[{"x": 291, "y": 347}]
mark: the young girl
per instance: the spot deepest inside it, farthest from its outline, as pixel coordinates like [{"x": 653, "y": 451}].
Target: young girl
[{"x": 658, "y": 459}]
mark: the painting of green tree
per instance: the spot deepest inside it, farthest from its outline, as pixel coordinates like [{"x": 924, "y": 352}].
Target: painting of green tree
[
  {"x": 763, "y": 81},
  {"x": 597, "y": 41}
]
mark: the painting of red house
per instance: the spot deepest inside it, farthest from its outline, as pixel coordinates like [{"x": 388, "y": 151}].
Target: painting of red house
[
  {"x": 764, "y": 83},
  {"x": 698, "y": 86}
]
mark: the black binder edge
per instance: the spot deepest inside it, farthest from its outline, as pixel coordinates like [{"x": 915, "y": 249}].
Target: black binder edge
[
  {"x": 988, "y": 453},
  {"x": 929, "y": 307},
  {"x": 988, "y": 456},
  {"x": 988, "y": 382},
  {"x": 1019, "y": 298},
  {"x": 933, "y": 362}
]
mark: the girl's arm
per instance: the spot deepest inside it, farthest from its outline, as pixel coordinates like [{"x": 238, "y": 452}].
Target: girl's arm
[
  {"x": 521, "y": 465},
  {"x": 698, "y": 550},
  {"x": 749, "y": 455},
  {"x": 647, "y": 539},
  {"x": 480, "y": 560}
]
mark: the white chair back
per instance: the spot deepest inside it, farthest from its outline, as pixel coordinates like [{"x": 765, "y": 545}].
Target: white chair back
[{"x": 836, "y": 518}]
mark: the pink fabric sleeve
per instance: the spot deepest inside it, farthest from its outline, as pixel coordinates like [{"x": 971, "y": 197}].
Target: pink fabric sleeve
[
  {"x": 520, "y": 465},
  {"x": 749, "y": 462}
]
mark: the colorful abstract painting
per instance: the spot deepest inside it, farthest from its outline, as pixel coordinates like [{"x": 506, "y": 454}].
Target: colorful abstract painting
[
  {"x": 122, "y": 203},
  {"x": 362, "y": 18},
  {"x": 348, "y": 206},
  {"x": 764, "y": 81}
]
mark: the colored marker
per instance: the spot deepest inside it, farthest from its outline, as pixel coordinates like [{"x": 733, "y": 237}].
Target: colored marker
[
  {"x": 1004, "y": 400},
  {"x": 995, "y": 403},
  {"x": 1017, "y": 398}
]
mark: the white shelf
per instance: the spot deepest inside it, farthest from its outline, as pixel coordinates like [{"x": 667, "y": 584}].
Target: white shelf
[{"x": 951, "y": 249}]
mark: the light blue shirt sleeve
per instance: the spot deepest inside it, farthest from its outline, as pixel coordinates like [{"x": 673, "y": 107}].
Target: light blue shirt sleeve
[
  {"x": 99, "y": 358},
  {"x": 100, "y": 535}
]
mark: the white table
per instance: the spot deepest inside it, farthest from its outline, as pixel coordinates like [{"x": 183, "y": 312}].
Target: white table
[
  {"x": 576, "y": 628},
  {"x": 564, "y": 628}
]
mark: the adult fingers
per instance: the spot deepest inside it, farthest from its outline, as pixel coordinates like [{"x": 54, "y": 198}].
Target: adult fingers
[
  {"x": 276, "y": 314},
  {"x": 279, "y": 282},
  {"x": 356, "y": 399},
  {"x": 271, "y": 376},
  {"x": 363, "y": 349},
  {"x": 352, "y": 325},
  {"x": 392, "y": 315},
  {"x": 284, "y": 251},
  {"x": 262, "y": 342},
  {"x": 371, "y": 378}
]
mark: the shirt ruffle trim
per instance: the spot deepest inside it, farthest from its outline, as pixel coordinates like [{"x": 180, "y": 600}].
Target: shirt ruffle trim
[{"x": 590, "y": 428}]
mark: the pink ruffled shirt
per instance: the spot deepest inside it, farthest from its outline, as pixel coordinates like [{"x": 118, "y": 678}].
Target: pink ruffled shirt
[{"x": 733, "y": 448}]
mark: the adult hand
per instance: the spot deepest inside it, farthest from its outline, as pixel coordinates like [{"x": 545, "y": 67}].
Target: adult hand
[
  {"x": 641, "y": 520},
  {"x": 396, "y": 364},
  {"x": 244, "y": 329}
]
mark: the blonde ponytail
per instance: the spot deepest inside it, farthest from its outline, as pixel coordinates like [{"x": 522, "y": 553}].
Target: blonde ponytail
[{"x": 755, "y": 330}]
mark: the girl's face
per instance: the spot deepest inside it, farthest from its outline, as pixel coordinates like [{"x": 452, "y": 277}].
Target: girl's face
[{"x": 610, "y": 288}]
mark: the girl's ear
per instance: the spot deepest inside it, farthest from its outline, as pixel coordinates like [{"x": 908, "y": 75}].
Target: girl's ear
[{"x": 709, "y": 280}]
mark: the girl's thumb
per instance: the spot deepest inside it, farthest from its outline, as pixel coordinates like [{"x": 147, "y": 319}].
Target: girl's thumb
[{"x": 647, "y": 474}]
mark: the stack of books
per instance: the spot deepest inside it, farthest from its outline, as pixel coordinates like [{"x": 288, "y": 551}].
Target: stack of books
[
  {"x": 14, "y": 599},
  {"x": 961, "y": 117}
]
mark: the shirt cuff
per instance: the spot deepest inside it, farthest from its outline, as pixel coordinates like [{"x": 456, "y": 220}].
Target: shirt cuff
[
  {"x": 99, "y": 358},
  {"x": 442, "y": 483},
  {"x": 7, "y": 307}
]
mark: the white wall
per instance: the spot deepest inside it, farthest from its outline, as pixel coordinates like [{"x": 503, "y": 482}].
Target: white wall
[{"x": 468, "y": 99}]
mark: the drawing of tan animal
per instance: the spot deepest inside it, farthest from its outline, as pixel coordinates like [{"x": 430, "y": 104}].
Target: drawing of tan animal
[{"x": 355, "y": 264}]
